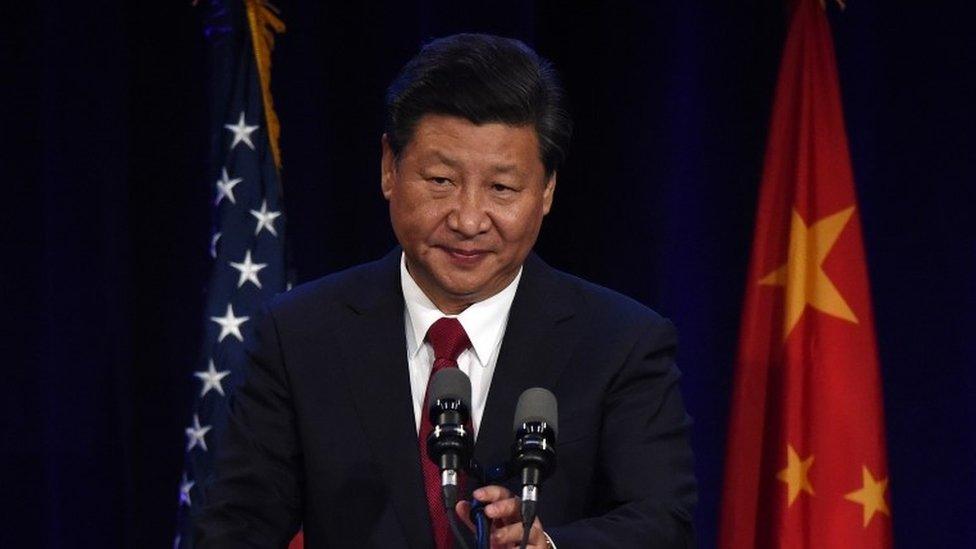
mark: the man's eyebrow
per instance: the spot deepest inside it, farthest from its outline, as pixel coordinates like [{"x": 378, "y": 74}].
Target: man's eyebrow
[
  {"x": 504, "y": 168},
  {"x": 498, "y": 168},
  {"x": 445, "y": 159}
]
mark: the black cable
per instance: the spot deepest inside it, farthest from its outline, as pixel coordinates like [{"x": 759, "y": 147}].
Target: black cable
[
  {"x": 528, "y": 519},
  {"x": 458, "y": 536},
  {"x": 449, "y": 497}
]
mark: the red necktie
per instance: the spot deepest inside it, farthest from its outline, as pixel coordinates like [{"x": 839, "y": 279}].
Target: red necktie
[{"x": 449, "y": 340}]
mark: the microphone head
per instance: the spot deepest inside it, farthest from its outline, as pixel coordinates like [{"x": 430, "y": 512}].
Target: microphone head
[
  {"x": 449, "y": 383},
  {"x": 537, "y": 405}
]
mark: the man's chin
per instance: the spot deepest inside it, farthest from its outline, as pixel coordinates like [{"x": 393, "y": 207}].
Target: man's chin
[
  {"x": 463, "y": 288},
  {"x": 472, "y": 290},
  {"x": 465, "y": 292}
]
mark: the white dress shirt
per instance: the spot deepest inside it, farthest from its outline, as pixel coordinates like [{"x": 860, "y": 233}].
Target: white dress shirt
[{"x": 484, "y": 322}]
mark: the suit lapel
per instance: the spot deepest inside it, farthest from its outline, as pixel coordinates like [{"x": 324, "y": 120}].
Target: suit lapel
[
  {"x": 378, "y": 372},
  {"x": 536, "y": 347}
]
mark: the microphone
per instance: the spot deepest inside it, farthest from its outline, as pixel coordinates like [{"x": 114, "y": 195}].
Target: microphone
[
  {"x": 534, "y": 451},
  {"x": 449, "y": 442}
]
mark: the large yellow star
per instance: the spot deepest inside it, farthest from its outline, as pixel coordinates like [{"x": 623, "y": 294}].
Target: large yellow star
[
  {"x": 803, "y": 277},
  {"x": 795, "y": 474},
  {"x": 871, "y": 495}
]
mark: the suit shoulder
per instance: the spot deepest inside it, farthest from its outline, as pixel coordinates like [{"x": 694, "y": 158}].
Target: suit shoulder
[
  {"x": 619, "y": 320},
  {"x": 610, "y": 307},
  {"x": 328, "y": 291}
]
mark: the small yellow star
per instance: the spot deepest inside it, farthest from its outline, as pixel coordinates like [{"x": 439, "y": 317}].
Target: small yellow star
[
  {"x": 795, "y": 474},
  {"x": 871, "y": 495},
  {"x": 802, "y": 275}
]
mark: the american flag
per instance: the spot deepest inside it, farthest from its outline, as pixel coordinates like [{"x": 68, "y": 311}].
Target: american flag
[{"x": 247, "y": 244}]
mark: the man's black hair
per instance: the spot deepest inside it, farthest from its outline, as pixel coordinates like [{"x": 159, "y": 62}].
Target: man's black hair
[{"x": 481, "y": 78}]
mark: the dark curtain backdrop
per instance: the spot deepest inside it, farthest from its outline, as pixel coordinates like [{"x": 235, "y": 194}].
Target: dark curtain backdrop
[{"x": 106, "y": 220}]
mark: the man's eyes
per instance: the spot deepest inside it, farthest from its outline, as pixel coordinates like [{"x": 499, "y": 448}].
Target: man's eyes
[{"x": 445, "y": 181}]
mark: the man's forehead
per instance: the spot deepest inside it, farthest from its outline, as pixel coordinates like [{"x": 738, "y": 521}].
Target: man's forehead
[
  {"x": 457, "y": 126},
  {"x": 452, "y": 140},
  {"x": 435, "y": 155}
]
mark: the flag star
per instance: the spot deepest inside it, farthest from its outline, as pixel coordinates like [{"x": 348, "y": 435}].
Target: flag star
[
  {"x": 230, "y": 324},
  {"x": 249, "y": 271},
  {"x": 185, "y": 487},
  {"x": 242, "y": 132},
  {"x": 803, "y": 276},
  {"x": 195, "y": 434},
  {"x": 265, "y": 218},
  {"x": 213, "y": 245},
  {"x": 795, "y": 474},
  {"x": 871, "y": 495},
  {"x": 225, "y": 187},
  {"x": 211, "y": 379}
]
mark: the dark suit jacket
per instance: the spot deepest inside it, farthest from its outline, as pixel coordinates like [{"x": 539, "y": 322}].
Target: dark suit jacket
[{"x": 322, "y": 433}]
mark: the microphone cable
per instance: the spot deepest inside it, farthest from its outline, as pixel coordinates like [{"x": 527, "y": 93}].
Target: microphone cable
[
  {"x": 528, "y": 519},
  {"x": 449, "y": 494},
  {"x": 481, "y": 526},
  {"x": 525, "y": 535}
]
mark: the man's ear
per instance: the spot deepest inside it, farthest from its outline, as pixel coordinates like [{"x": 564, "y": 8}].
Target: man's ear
[
  {"x": 548, "y": 193},
  {"x": 387, "y": 168}
]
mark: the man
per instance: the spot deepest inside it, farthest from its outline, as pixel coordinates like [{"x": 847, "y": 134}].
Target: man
[{"x": 324, "y": 432}]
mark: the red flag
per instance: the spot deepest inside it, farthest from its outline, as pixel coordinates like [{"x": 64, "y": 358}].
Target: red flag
[{"x": 806, "y": 463}]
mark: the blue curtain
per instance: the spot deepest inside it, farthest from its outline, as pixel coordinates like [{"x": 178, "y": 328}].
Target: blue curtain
[{"x": 107, "y": 220}]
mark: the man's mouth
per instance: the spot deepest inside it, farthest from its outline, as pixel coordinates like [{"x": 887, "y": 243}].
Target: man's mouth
[
  {"x": 465, "y": 252},
  {"x": 465, "y": 256}
]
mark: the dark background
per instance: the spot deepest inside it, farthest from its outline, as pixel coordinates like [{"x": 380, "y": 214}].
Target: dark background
[{"x": 106, "y": 220}]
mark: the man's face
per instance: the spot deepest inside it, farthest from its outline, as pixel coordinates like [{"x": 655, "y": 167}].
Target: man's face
[{"x": 466, "y": 203}]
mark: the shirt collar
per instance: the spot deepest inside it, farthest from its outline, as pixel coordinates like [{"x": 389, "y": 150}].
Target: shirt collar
[{"x": 484, "y": 321}]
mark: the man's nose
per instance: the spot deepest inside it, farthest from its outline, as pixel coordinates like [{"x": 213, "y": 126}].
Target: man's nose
[{"x": 469, "y": 215}]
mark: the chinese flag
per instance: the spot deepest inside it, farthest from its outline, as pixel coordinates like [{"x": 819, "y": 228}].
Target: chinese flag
[{"x": 806, "y": 460}]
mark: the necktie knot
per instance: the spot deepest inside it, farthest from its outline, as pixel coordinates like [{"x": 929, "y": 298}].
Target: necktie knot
[{"x": 448, "y": 339}]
